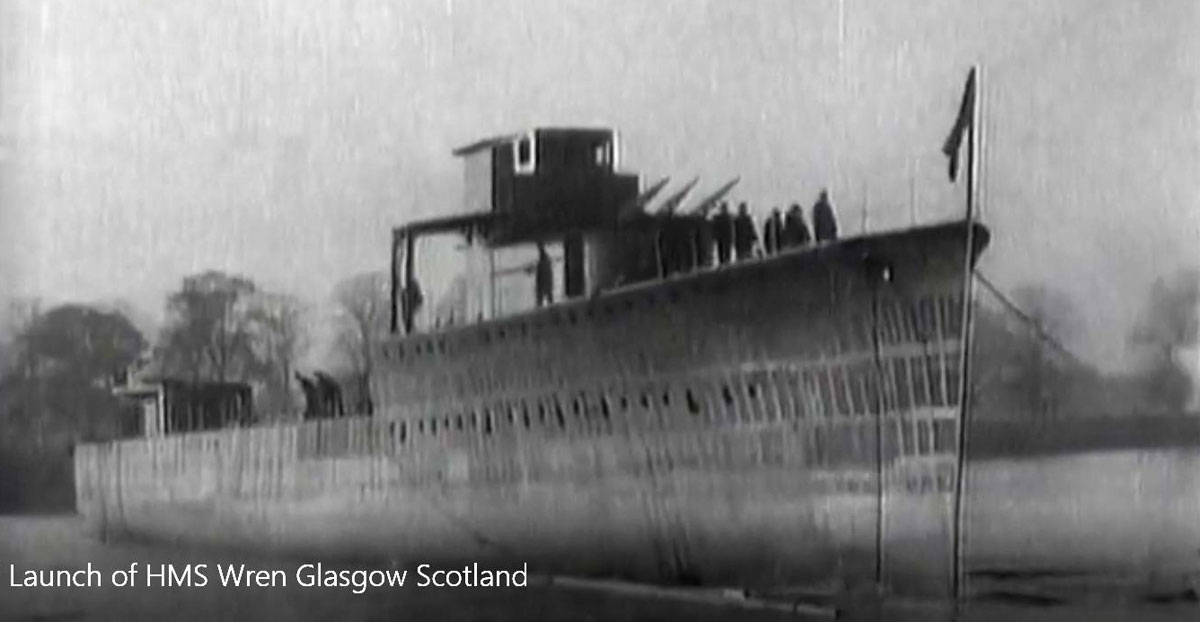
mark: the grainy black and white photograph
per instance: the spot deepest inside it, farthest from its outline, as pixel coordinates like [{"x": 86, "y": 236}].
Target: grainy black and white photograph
[{"x": 600, "y": 310}]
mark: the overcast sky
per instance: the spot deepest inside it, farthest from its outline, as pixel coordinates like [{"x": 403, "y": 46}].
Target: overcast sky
[{"x": 281, "y": 139}]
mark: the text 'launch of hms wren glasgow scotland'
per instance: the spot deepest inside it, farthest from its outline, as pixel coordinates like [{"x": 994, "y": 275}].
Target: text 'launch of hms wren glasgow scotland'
[{"x": 242, "y": 576}]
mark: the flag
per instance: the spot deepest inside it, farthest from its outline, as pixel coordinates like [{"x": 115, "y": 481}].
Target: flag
[{"x": 966, "y": 110}]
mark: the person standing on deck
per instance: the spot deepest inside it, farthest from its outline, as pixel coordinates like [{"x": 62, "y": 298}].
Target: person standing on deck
[
  {"x": 722, "y": 228},
  {"x": 795, "y": 231},
  {"x": 702, "y": 238},
  {"x": 773, "y": 232},
  {"x": 744, "y": 235},
  {"x": 824, "y": 222},
  {"x": 544, "y": 277}
]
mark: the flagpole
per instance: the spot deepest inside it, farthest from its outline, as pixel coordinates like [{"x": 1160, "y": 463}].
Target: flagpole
[{"x": 974, "y": 142}]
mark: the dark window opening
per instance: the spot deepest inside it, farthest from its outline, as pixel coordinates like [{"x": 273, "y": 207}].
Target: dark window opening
[
  {"x": 727, "y": 394},
  {"x": 666, "y": 398},
  {"x": 645, "y": 400},
  {"x": 692, "y": 404},
  {"x": 458, "y": 422},
  {"x": 604, "y": 408},
  {"x": 524, "y": 154},
  {"x": 558, "y": 412}
]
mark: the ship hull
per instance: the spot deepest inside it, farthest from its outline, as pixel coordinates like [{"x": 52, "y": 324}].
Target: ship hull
[{"x": 776, "y": 423}]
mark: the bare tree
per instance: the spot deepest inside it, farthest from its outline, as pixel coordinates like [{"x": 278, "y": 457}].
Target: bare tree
[
  {"x": 362, "y": 315},
  {"x": 1170, "y": 324},
  {"x": 276, "y": 322},
  {"x": 1049, "y": 321},
  {"x": 209, "y": 335}
]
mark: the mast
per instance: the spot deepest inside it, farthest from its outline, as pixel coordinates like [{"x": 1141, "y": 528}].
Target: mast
[{"x": 974, "y": 140}]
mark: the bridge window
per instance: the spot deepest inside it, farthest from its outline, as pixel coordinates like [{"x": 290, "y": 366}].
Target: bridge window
[
  {"x": 523, "y": 157},
  {"x": 602, "y": 155}
]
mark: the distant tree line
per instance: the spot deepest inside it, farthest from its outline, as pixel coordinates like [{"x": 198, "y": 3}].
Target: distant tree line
[
  {"x": 1022, "y": 370},
  {"x": 58, "y": 367}
]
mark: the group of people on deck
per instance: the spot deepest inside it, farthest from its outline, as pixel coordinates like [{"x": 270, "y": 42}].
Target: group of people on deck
[
  {"x": 685, "y": 243},
  {"x": 735, "y": 236}
]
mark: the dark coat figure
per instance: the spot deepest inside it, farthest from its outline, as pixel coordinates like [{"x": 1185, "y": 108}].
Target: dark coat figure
[
  {"x": 331, "y": 395},
  {"x": 544, "y": 277},
  {"x": 680, "y": 239},
  {"x": 312, "y": 397},
  {"x": 662, "y": 249},
  {"x": 773, "y": 232},
  {"x": 824, "y": 222},
  {"x": 744, "y": 234},
  {"x": 795, "y": 231},
  {"x": 722, "y": 228},
  {"x": 411, "y": 300},
  {"x": 702, "y": 242}
]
